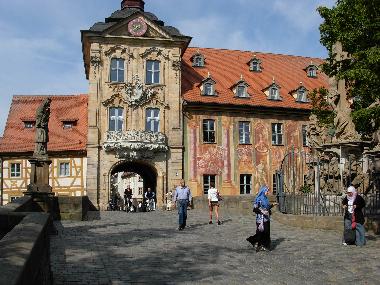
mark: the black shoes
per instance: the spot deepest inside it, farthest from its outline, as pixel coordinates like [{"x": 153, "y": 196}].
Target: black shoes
[
  {"x": 210, "y": 222},
  {"x": 219, "y": 223}
]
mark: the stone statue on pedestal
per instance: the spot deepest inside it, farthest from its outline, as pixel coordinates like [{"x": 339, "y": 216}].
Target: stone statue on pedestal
[
  {"x": 42, "y": 130},
  {"x": 39, "y": 175}
]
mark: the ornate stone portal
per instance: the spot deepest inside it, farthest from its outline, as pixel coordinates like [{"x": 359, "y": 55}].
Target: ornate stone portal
[
  {"x": 134, "y": 144},
  {"x": 39, "y": 176}
]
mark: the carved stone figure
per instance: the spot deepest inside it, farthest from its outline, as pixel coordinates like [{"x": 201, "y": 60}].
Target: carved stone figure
[
  {"x": 42, "y": 131},
  {"x": 314, "y": 132}
]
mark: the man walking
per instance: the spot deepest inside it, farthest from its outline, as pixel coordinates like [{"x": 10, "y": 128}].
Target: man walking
[{"x": 182, "y": 198}]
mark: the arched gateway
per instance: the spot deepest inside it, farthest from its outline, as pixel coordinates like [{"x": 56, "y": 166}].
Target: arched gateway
[{"x": 138, "y": 175}]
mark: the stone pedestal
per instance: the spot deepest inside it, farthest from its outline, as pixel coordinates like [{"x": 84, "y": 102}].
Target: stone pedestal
[{"x": 39, "y": 188}]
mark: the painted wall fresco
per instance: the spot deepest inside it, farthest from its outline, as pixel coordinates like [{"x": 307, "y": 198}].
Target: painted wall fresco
[{"x": 260, "y": 159}]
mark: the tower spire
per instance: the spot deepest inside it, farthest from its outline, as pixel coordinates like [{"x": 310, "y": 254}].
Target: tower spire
[{"x": 137, "y": 4}]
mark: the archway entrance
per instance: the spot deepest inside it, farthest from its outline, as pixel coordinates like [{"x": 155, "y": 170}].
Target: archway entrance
[{"x": 139, "y": 176}]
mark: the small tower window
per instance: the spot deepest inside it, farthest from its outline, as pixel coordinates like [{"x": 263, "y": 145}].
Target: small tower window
[
  {"x": 117, "y": 70},
  {"x": 240, "y": 88}
]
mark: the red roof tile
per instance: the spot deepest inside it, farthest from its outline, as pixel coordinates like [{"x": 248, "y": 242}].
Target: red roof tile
[
  {"x": 227, "y": 66},
  {"x": 17, "y": 138}
]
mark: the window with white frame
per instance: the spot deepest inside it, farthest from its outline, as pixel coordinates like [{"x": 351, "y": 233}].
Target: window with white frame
[
  {"x": 116, "y": 119},
  {"x": 209, "y": 131},
  {"x": 15, "y": 170},
  {"x": 208, "y": 88},
  {"x": 244, "y": 132},
  {"x": 274, "y": 93},
  {"x": 64, "y": 169},
  {"x": 302, "y": 95},
  {"x": 312, "y": 71},
  {"x": 245, "y": 184},
  {"x": 152, "y": 120},
  {"x": 117, "y": 70},
  {"x": 198, "y": 61},
  {"x": 277, "y": 134},
  {"x": 241, "y": 91},
  {"x": 207, "y": 181},
  {"x": 304, "y": 135},
  {"x": 152, "y": 72}
]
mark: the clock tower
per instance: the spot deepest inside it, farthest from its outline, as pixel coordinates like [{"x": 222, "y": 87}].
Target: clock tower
[{"x": 133, "y": 61}]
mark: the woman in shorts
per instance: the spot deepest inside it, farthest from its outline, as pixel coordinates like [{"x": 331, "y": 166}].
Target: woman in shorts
[{"x": 213, "y": 202}]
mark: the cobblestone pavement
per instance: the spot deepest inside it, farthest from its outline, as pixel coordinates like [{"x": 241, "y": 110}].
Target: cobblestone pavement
[{"x": 147, "y": 248}]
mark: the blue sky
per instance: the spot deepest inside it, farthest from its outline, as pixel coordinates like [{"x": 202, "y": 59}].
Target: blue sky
[{"x": 40, "y": 47}]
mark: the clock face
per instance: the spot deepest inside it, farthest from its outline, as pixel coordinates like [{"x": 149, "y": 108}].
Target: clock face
[{"x": 137, "y": 27}]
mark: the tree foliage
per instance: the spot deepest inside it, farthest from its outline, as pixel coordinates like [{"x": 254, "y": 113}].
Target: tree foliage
[
  {"x": 321, "y": 107},
  {"x": 356, "y": 25}
]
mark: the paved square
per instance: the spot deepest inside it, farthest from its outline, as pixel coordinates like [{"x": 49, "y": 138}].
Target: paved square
[{"x": 146, "y": 248}]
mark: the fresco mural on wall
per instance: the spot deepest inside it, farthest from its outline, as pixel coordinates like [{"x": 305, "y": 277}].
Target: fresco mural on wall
[
  {"x": 227, "y": 156},
  {"x": 292, "y": 135},
  {"x": 261, "y": 156},
  {"x": 211, "y": 159},
  {"x": 278, "y": 154}
]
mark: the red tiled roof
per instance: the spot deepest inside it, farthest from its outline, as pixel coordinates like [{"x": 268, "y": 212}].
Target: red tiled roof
[
  {"x": 17, "y": 138},
  {"x": 227, "y": 66}
]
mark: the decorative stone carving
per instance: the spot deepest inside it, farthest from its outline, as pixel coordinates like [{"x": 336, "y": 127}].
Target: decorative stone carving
[
  {"x": 314, "y": 132},
  {"x": 135, "y": 144},
  {"x": 156, "y": 50},
  {"x": 137, "y": 94},
  {"x": 115, "y": 100},
  {"x": 95, "y": 61}
]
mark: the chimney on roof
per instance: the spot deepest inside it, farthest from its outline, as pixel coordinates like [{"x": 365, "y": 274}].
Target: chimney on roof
[{"x": 137, "y": 4}]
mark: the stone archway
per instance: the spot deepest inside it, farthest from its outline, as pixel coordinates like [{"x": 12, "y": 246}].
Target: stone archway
[{"x": 146, "y": 171}]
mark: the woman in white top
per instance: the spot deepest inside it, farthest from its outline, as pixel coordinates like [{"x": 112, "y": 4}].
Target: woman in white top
[{"x": 213, "y": 201}]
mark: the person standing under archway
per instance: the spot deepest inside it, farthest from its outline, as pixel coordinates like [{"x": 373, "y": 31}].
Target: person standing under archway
[{"x": 182, "y": 198}]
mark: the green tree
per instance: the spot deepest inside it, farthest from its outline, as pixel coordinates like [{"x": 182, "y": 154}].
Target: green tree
[{"x": 356, "y": 25}]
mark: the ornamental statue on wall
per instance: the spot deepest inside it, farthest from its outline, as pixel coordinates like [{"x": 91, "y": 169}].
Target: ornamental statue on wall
[{"x": 136, "y": 93}]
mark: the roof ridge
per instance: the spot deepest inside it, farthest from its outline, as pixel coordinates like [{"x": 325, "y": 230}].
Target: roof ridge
[{"x": 252, "y": 51}]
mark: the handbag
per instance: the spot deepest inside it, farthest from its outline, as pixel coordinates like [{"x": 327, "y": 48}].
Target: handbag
[
  {"x": 220, "y": 198},
  {"x": 349, "y": 236},
  {"x": 353, "y": 221}
]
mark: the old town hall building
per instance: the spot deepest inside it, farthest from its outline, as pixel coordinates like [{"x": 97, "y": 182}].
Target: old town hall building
[{"x": 163, "y": 110}]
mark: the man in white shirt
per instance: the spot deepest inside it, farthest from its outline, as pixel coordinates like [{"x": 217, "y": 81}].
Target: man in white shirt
[{"x": 213, "y": 202}]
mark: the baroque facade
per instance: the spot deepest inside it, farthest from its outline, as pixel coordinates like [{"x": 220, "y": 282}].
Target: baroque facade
[{"x": 166, "y": 111}]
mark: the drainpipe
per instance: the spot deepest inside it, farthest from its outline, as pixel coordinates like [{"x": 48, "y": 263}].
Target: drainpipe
[{"x": 2, "y": 182}]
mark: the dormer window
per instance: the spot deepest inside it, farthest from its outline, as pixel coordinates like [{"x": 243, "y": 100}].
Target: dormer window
[
  {"x": 208, "y": 86},
  {"x": 29, "y": 124},
  {"x": 208, "y": 89},
  {"x": 255, "y": 64},
  {"x": 302, "y": 95},
  {"x": 69, "y": 124},
  {"x": 240, "y": 88},
  {"x": 273, "y": 91},
  {"x": 311, "y": 70},
  {"x": 241, "y": 91},
  {"x": 198, "y": 60}
]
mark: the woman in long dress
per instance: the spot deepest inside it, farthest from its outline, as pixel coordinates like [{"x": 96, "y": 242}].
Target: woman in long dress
[{"x": 262, "y": 207}]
